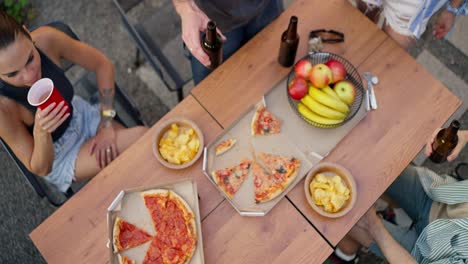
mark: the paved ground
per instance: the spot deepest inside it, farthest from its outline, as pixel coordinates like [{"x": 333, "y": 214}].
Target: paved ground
[{"x": 97, "y": 23}]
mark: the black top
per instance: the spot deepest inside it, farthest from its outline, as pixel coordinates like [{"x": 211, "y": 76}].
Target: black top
[
  {"x": 231, "y": 14},
  {"x": 56, "y": 74}
]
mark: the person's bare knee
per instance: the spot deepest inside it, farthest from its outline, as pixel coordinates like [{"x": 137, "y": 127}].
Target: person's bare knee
[{"x": 348, "y": 245}]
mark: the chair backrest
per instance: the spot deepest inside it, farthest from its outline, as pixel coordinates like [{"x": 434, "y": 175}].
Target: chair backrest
[
  {"x": 128, "y": 107},
  {"x": 151, "y": 51}
]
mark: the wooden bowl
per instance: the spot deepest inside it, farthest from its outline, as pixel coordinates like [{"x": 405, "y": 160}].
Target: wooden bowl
[
  {"x": 161, "y": 132},
  {"x": 330, "y": 169}
]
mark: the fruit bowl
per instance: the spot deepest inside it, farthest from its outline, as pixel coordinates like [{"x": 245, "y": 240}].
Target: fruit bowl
[
  {"x": 163, "y": 132},
  {"x": 352, "y": 75},
  {"x": 328, "y": 169}
]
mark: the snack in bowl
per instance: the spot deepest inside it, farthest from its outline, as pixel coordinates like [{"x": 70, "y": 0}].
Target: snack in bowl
[
  {"x": 330, "y": 189},
  {"x": 329, "y": 192},
  {"x": 179, "y": 142}
]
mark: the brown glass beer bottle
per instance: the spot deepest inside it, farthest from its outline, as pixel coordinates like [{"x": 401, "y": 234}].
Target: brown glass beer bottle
[
  {"x": 445, "y": 142},
  {"x": 212, "y": 45},
  {"x": 289, "y": 43}
]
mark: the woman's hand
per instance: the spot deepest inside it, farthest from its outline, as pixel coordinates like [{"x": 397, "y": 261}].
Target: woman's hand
[
  {"x": 104, "y": 145},
  {"x": 194, "y": 21},
  {"x": 444, "y": 24},
  {"x": 50, "y": 118}
]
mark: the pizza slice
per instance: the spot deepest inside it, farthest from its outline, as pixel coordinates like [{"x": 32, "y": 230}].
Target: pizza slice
[
  {"x": 155, "y": 201},
  {"x": 265, "y": 123},
  {"x": 154, "y": 253},
  {"x": 125, "y": 260},
  {"x": 230, "y": 179},
  {"x": 127, "y": 235},
  {"x": 224, "y": 146},
  {"x": 284, "y": 169},
  {"x": 266, "y": 187}
]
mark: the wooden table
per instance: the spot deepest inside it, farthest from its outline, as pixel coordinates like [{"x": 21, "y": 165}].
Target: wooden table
[
  {"x": 77, "y": 231},
  {"x": 411, "y": 105}
]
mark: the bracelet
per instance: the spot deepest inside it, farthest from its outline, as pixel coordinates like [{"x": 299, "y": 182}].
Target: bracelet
[{"x": 108, "y": 113}]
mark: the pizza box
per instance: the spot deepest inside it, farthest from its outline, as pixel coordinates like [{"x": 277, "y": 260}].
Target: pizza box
[
  {"x": 297, "y": 139},
  {"x": 129, "y": 206}
]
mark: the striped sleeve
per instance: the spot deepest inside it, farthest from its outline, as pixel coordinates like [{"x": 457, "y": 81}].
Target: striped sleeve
[
  {"x": 444, "y": 189},
  {"x": 443, "y": 241}
]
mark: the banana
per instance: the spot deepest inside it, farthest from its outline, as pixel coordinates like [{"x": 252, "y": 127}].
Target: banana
[
  {"x": 321, "y": 109},
  {"x": 328, "y": 100},
  {"x": 306, "y": 112},
  {"x": 331, "y": 92}
]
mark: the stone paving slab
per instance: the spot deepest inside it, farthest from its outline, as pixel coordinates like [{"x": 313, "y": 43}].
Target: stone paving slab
[{"x": 459, "y": 37}]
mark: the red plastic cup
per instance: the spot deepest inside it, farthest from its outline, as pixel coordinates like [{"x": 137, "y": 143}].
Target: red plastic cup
[{"x": 43, "y": 92}]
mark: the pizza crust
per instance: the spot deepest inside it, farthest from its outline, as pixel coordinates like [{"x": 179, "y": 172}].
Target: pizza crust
[
  {"x": 115, "y": 234},
  {"x": 155, "y": 192},
  {"x": 190, "y": 221},
  {"x": 253, "y": 126}
]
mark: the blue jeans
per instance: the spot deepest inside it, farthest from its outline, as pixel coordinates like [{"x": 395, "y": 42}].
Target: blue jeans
[
  {"x": 407, "y": 192},
  {"x": 238, "y": 37}
]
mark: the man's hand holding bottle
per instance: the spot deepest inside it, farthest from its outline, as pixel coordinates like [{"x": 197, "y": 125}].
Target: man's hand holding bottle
[
  {"x": 462, "y": 141},
  {"x": 194, "y": 21}
]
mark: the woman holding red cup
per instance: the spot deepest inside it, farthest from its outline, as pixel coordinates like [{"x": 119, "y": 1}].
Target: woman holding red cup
[{"x": 62, "y": 139}]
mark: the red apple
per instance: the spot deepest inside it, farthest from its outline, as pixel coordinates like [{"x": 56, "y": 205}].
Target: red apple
[
  {"x": 297, "y": 88},
  {"x": 337, "y": 69},
  {"x": 302, "y": 69},
  {"x": 346, "y": 91},
  {"x": 320, "y": 75}
]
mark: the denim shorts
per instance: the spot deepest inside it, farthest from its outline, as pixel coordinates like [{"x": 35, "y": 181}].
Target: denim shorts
[
  {"x": 83, "y": 126},
  {"x": 407, "y": 192}
]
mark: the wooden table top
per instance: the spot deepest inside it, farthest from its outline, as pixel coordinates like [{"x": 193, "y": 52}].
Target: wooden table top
[
  {"x": 77, "y": 231},
  {"x": 411, "y": 105},
  {"x": 254, "y": 69}
]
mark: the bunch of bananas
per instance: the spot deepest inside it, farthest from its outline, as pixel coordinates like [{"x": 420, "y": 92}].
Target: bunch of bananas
[{"x": 323, "y": 106}]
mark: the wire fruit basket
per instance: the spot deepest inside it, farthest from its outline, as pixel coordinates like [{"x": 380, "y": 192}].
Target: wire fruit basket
[{"x": 352, "y": 75}]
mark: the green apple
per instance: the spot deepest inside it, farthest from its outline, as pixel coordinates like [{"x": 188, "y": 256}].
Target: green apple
[{"x": 346, "y": 91}]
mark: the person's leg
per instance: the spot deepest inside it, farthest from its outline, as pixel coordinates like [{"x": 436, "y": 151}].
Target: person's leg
[
  {"x": 86, "y": 165},
  {"x": 232, "y": 44},
  {"x": 404, "y": 236},
  {"x": 408, "y": 192},
  {"x": 398, "y": 14},
  {"x": 405, "y": 42},
  {"x": 271, "y": 11}
]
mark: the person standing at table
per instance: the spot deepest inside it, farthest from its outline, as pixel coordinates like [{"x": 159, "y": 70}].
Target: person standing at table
[
  {"x": 62, "y": 147},
  {"x": 237, "y": 20},
  {"x": 406, "y": 20},
  {"x": 438, "y": 206}
]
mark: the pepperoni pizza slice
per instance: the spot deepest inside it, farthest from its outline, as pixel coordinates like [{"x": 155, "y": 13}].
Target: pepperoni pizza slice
[
  {"x": 265, "y": 123},
  {"x": 127, "y": 235},
  {"x": 125, "y": 260},
  {"x": 230, "y": 179},
  {"x": 176, "y": 236}
]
